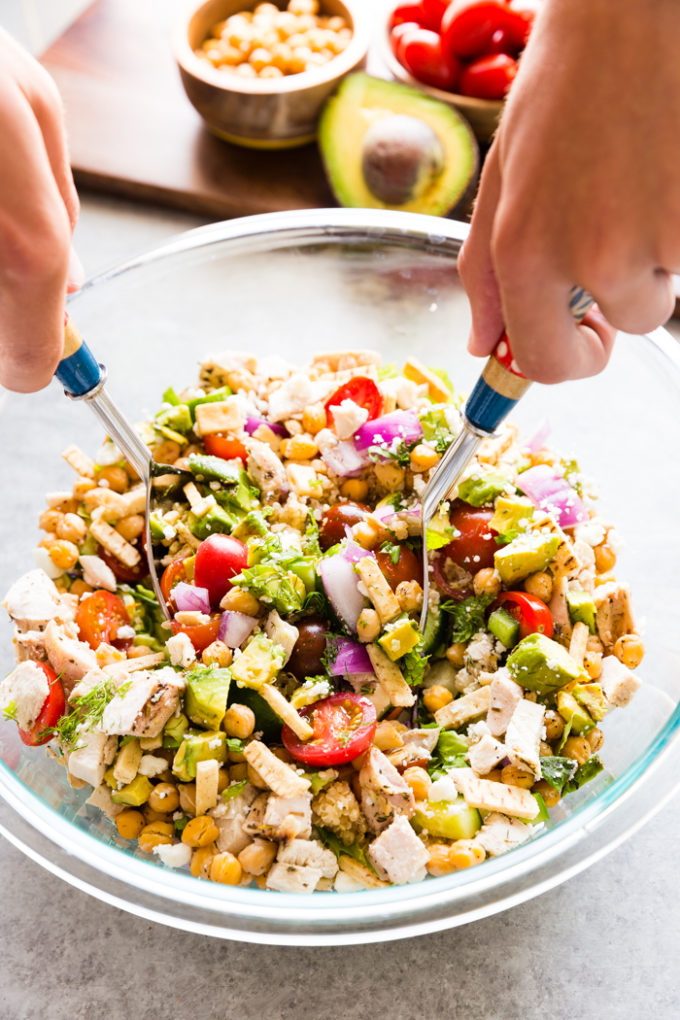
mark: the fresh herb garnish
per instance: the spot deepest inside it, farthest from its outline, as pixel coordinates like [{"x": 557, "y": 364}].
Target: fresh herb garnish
[
  {"x": 584, "y": 773},
  {"x": 557, "y": 770},
  {"x": 10, "y": 712},
  {"x": 469, "y": 616},
  {"x": 413, "y": 666},
  {"x": 88, "y": 710},
  {"x": 393, "y": 550}
]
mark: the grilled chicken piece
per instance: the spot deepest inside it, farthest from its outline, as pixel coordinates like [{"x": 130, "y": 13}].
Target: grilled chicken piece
[
  {"x": 614, "y": 617},
  {"x": 383, "y": 791}
]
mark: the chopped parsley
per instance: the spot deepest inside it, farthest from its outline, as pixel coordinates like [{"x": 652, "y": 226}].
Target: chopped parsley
[
  {"x": 393, "y": 550},
  {"x": 469, "y": 616},
  {"x": 413, "y": 666}
]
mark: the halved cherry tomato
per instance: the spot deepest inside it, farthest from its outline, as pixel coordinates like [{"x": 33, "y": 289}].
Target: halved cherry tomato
[
  {"x": 219, "y": 445},
  {"x": 336, "y": 519},
  {"x": 488, "y": 77},
  {"x": 454, "y": 564},
  {"x": 532, "y": 614},
  {"x": 50, "y": 713},
  {"x": 173, "y": 573},
  {"x": 423, "y": 55},
  {"x": 99, "y": 617},
  {"x": 344, "y": 726},
  {"x": 217, "y": 560},
  {"x": 407, "y": 568},
  {"x": 407, "y": 12},
  {"x": 130, "y": 574},
  {"x": 201, "y": 634},
  {"x": 362, "y": 391},
  {"x": 468, "y": 26}
]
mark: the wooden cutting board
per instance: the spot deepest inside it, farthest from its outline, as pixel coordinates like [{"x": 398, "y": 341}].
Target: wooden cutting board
[{"x": 133, "y": 132}]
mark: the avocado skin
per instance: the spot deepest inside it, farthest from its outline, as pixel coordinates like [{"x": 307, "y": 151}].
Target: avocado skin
[
  {"x": 539, "y": 664},
  {"x": 346, "y": 118}
]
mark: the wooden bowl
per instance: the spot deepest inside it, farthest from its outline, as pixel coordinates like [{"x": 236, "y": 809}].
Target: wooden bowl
[
  {"x": 483, "y": 115},
  {"x": 272, "y": 113}
]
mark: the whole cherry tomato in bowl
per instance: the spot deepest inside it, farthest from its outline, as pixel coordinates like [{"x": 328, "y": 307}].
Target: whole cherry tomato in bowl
[
  {"x": 488, "y": 77},
  {"x": 423, "y": 54}
]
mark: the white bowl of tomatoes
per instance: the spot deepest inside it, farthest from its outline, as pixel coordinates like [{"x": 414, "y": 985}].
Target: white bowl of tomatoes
[{"x": 462, "y": 52}]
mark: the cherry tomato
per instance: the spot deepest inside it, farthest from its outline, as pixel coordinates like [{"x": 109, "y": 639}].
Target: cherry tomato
[
  {"x": 527, "y": 10},
  {"x": 50, "y": 713},
  {"x": 407, "y": 12},
  {"x": 473, "y": 549},
  {"x": 217, "y": 560},
  {"x": 532, "y": 614},
  {"x": 433, "y": 12},
  {"x": 362, "y": 391},
  {"x": 219, "y": 445},
  {"x": 398, "y": 33},
  {"x": 201, "y": 634},
  {"x": 123, "y": 573},
  {"x": 308, "y": 650},
  {"x": 336, "y": 519},
  {"x": 468, "y": 26},
  {"x": 502, "y": 41},
  {"x": 99, "y": 616},
  {"x": 423, "y": 55},
  {"x": 343, "y": 724},
  {"x": 407, "y": 568},
  {"x": 173, "y": 573},
  {"x": 488, "y": 77}
]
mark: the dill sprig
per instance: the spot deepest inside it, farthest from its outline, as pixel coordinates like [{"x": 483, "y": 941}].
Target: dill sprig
[{"x": 87, "y": 713}]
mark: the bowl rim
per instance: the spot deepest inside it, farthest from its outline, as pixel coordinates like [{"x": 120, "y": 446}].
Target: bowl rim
[
  {"x": 150, "y": 890},
  {"x": 342, "y": 64}
]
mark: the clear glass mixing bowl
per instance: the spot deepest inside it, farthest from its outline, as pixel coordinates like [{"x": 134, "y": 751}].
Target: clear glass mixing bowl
[{"x": 291, "y": 284}]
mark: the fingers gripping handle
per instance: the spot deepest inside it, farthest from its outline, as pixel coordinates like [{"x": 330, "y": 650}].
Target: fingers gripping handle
[
  {"x": 501, "y": 383},
  {"x": 78, "y": 371}
]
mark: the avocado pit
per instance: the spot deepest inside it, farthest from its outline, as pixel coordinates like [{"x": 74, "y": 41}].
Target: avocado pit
[{"x": 401, "y": 158}]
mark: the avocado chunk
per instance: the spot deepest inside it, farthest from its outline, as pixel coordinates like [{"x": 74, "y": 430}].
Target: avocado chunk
[
  {"x": 447, "y": 819},
  {"x": 206, "y": 696},
  {"x": 525, "y": 555},
  {"x": 573, "y": 713},
  {"x": 479, "y": 490},
  {"x": 511, "y": 513},
  {"x": 399, "y": 639},
  {"x": 581, "y": 608},
  {"x": 388, "y": 146},
  {"x": 197, "y": 747},
  {"x": 503, "y": 626},
  {"x": 216, "y": 521},
  {"x": 539, "y": 664},
  {"x": 174, "y": 730},
  {"x": 592, "y": 699},
  {"x": 259, "y": 662},
  {"x": 134, "y": 794}
]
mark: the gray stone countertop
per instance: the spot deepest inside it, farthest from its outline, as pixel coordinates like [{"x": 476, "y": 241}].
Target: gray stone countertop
[{"x": 602, "y": 945}]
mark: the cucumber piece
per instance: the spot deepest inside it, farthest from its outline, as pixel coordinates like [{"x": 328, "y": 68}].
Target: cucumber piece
[
  {"x": 504, "y": 626},
  {"x": 447, "y": 819},
  {"x": 434, "y": 630}
]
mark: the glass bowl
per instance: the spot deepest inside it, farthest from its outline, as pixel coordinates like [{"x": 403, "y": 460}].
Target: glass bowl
[{"x": 291, "y": 284}]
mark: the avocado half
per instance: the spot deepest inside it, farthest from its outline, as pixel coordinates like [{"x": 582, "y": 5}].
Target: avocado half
[{"x": 388, "y": 146}]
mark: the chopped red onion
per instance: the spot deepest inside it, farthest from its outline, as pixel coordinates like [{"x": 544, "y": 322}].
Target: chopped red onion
[
  {"x": 350, "y": 658},
  {"x": 341, "y": 585},
  {"x": 353, "y": 552},
  {"x": 344, "y": 460},
  {"x": 189, "y": 598},
  {"x": 383, "y": 431},
  {"x": 235, "y": 628},
  {"x": 539, "y": 437},
  {"x": 552, "y": 492},
  {"x": 253, "y": 424},
  {"x": 412, "y": 515}
]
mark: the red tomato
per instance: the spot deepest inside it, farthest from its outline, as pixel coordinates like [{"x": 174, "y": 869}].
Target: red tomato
[
  {"x": 50, "y": 713},
  {"x": 173, "y": 573},
  {"x": 398, "y": 33},
  {"x": 527, "y": 10},
  {"x": 468, "y": 26},
  {"x": 219, "y": 445},
  {"x": 502, "y": 42},
  {"x": 533, "y": 615},
  {"x": 362, "y": 391},
  {"x": 344, "y": 726},
  {"x": 99, "y": 616},
  {"x": 407, "y": 12},
  {"x": 422, "y": 54},
  {"x": 201, "y": 634},
  {"x": 488, "y": 77},
  {"x": 130, "y": 574},
  {"x": 217, "y": 560},
  {"x": 473, "y": 549},
  {"x": 407, "y": 568},
  {"x": 433, "y": 12}
]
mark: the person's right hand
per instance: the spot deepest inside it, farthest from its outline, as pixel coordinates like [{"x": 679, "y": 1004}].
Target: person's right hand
[{"x": 38, "y": 211}]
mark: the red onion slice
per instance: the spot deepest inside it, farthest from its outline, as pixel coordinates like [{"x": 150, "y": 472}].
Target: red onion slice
[
  {"x": 353, "y": 552},
  {"x": 189, "y": 598},
  {"x": 350, "y": 658},
  {"x": 341, "y": 585},
  {"x": 553, "y": 493},
  {"x": 235, "y": 628},
  {"x": 253, "y": 424},
  {"x": 383, "y": 431},
  {"x": 539, "y": 437}
]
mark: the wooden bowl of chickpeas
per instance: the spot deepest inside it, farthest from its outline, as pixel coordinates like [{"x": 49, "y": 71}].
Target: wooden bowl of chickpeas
[{"x": 260, "y": 75}]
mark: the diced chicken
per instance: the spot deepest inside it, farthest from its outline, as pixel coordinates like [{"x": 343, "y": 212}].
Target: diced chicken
[
  {"x": 341, "y": 361},
  {"x": 505, "y": 695},
  {"x": 585, "y": 575},
  {"x": 32, "y": 601},
  {"x": 390, "y": 678},
  {"x": 347, "y": 417},
  {"x": 231, "y": 816},
  {"x": 143, "y": 707},
  {"x": 384, "y": 793},
  {"x": 490, "y": 796},
  {"x": 266, "y": 470},
  {"x": 486, "y": 754},
  {"x": 68, "y": 657},
  {"x": 613, "y": 617},
  {"x": 397, "y": 854},
  {"x": 97, "y": 573},
  {"x": 292, "y": 396},
  {"x": 560, "y": 610},
  {"x": 424, "y": 741},
  {"x": 24, "y": 692},
  {"x": 94, "y": 753},
  {"x": 378, "y": 590},
  {"x": 207, "y": 785},
  {"x": 278, "y": 776},
  {"x": 215, "y": 368},
  {"x": 523, "y": 736},
  {"x": 181, "y": 651},
  {"x": 480, "y": 654},
  {"x": 500, "y": 833},
  {"x": 173, "y": 855},
  {"x": 403, "y": 391},
  {"x": 79, "y": 461},
  {"x": 303, "y": 480},
  {"x": 112, "y": 541},
  {"x": 288, "y": 817},
  {"x": 579, "y": 642},
  {"x": 618, "y": 683},
  {"x": 281, "y": 633},
  {"x": 127, "y": 763},
  {"x": 292, "y": 878},
  {"x": 460, "y": 710},
  {"x": 100, "y": 798},
  {"x": 308, "y": 853},
  {"x": 254, "y": 822},
  {"x": 29, "y": 644}
]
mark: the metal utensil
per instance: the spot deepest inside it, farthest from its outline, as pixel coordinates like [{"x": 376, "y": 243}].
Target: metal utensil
[
  {"x": 495, "y": 394},
  {"x": 83, "y": 378}
]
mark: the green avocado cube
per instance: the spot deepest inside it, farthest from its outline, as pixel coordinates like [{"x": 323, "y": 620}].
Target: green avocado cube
[
  {"x": 592, "y": 699},
  {"x": 197, "y": 747},
  {"x": 205, "y": 700},
  {"x": 539, "y": 664},
  {"x": 174, "y": 730},
  {"x": 511, "y": 514},
  {"x": 400, "y": 639},
  {"x": 134, "y": 794},
  {"x": 504, "y": 627},
  {"x": 581, "y": 608},
  {"x": 572, "y": 712},
  {"x": 525, "y": 555},
  {"x": 447, "y": 819},
  {"x": 258, "y": 663},
  {"x": 216, "y": 521},
  {"x": 480, "y": 490}
]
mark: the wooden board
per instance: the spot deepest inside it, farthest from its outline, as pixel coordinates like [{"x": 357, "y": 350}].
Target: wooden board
[{"x": 133, "y": 132}]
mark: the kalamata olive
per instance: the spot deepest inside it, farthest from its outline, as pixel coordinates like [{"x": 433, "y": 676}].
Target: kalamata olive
[
  {"x": 336, "y": 519},
  {"x": 407, "y": 568},
  {"x": 309, "y": 649}
]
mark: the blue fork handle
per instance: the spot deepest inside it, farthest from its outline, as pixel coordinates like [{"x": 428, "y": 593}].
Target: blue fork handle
[
  {"x": 501, "y": 384},
  {"x": 78, "y": 371}
]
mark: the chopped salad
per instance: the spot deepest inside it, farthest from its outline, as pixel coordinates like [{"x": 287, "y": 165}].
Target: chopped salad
[{"x": 289, "y": 725}]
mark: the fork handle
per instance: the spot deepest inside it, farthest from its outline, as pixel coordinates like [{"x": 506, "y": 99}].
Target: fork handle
[
  {"x": 78, "y": 371},
  {"x": 501, "y": 383}
]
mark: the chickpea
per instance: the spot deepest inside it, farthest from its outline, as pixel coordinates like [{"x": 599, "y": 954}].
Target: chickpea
[
  {"x": 200, "y": 831},
  {"x": 239, "y": 721},
  {"x": 63, "y": 554},
  {"x": 605, "y": 558},
  {"x": 410, "y": 596},
  {"x": 539, "y": 584},
  {"x": 419, "y": 781},
  {"x": 629, "y": 650},
  {"x": 354, "y": 489},
  {"x": 314, "y": 415},
  {"x": 130, "y": 823},
  {"x": 225, "y": 868},
  {"x": 187, "y": 798},
  {"x": 155, "y": 834},
  {"x": 592, "y": 663},
  {"x": 577, "y": 748},
  {"x": 257, "y": 857},
  {"x": 114, "y": 477},
  {"x": 389, "y": 476},
  {"x": 72, "y": 528},
  {"x": 50, "y": 520},
  {"x": 218, "y": 653},
  {"x": 201, "y": 860},
  {"x": 513, "y": 776},
  {"x": 436, "y": 697},
  {"x": 486, "y": 582},
  {"x": 596, "y": 739},
  {"x": 554, "y": 726},
  {"x": 456, "y": 654},
  {"x": 368, "y": 625},
  {"x": 550, "y": 795},
  {"x": 130, "y": 527},
  {"x": 164, "y": 798},
  {"x": 165, "y": 452}
]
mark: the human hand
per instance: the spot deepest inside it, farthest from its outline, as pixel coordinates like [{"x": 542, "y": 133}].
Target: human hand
[
  {"x": 38, "y": 211},
  {"x": 581, "y": 186}
]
